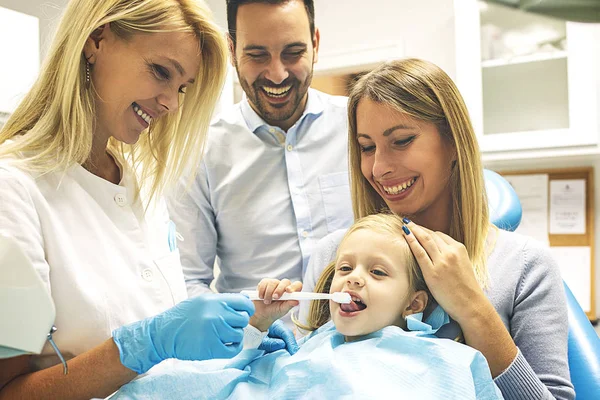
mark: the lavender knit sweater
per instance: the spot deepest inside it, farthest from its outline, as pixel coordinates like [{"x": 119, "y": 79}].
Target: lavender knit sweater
[{"x": 527, "y": 291}]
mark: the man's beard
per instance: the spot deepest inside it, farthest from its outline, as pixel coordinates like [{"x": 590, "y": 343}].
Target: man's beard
[{"x": 273, "y": 113}]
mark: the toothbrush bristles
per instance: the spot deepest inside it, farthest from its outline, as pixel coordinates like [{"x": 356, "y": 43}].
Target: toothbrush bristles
[{"x": 341, "y": 297}]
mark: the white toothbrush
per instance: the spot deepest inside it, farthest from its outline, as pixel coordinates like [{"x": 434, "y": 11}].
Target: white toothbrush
[{"x": 338, "y": 297}]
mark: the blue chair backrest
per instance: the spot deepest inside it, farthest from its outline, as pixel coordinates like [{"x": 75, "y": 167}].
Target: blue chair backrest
[
  {"x": 584, "y": 351},
  {"x": 584, "y": 344},
  {"x": 503, "y": 202}
]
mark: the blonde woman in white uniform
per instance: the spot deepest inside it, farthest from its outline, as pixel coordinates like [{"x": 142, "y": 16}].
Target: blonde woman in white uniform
[{"x": 119, "y": 110}]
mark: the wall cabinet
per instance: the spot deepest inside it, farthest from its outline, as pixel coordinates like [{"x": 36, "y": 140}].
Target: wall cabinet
[
  {"x": 531, "y": 83},
  {"x": 539, "y": 81}
]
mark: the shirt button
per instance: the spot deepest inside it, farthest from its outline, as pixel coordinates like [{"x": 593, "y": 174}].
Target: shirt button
[
  {"x": 290, "y": 147},
  {"x": 304, "y": 234},
  {"x": 121, "y": 199},
  {"x": 147, "y": 274}
]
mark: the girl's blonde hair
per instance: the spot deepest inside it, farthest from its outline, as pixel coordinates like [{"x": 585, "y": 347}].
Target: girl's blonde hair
[
  {"x": 423, "y": 91},
  {"x": 386, "y": 224},
  {"x": 53, "y": 126}
]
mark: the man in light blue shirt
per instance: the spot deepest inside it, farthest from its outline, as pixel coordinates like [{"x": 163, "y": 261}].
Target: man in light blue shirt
[{"x": 274, "y": 179}]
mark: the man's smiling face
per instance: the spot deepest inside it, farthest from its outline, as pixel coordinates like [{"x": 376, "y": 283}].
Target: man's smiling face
[{"x": 274, "y": 59}]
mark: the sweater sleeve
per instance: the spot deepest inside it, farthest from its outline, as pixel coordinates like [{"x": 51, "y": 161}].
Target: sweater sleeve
[{"x": 539, "y": 328}]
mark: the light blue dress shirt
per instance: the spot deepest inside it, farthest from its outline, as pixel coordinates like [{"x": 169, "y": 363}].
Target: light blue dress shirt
[{"x": 262, "y": 197}]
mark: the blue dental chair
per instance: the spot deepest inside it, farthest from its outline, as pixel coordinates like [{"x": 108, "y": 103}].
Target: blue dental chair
[{"x": 584, "y": 344}]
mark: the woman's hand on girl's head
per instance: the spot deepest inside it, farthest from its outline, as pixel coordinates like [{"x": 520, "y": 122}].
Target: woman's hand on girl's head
[
  {"x": 448, "y": 272},
  {"x": 267, "y": 310}
]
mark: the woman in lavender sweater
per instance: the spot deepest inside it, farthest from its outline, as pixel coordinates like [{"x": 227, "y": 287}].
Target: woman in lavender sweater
[{"x": 413, "y": 151}]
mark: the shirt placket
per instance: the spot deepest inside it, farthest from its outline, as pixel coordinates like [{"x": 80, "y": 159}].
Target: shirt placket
[{"x": 299, "y": 196}]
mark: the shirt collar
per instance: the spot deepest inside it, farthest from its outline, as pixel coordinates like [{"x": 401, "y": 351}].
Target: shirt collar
[{"x": 314, "y": 106}]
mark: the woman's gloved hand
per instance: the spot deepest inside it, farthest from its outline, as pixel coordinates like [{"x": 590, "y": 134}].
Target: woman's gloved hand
[
  {"x": 199, "y": 328},
  {"x": 279, "y": 337}
]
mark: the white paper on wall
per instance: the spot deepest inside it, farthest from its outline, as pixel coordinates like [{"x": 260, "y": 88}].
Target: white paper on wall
[
  {"x": 567, "y": 207},
  {"x": 533, "y": 195}
]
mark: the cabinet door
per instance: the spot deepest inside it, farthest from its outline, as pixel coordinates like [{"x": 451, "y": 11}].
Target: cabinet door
[{"x": 538, "y": 81}]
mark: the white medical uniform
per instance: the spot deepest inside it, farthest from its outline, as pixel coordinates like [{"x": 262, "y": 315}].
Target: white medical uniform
[{"x": 105, "y": 262}]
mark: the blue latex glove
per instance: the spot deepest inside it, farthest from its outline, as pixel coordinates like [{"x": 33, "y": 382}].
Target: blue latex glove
[
  {"x": 279, "y": 337},
  {"x": 200, "y": 328}
]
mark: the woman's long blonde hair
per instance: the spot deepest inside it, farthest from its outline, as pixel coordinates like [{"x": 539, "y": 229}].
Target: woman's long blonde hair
[
  {"x": 423, "y": 91},
  {"x": 53, "y": 126},
  {"x": 386, "y": 224}
]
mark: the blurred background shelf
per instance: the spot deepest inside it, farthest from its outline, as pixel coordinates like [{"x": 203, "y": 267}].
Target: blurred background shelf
[{"x": 530, "y": 58}]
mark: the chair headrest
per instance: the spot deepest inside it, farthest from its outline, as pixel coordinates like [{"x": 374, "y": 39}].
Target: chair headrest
[{"x": 503, "y": 202}]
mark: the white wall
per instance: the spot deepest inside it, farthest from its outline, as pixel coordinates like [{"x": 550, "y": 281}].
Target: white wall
[
  {"x": 47, "y": 11},
  {"x": 20, "y": 47},
  {"x": 347, "y": 25},
  {"x": 219, "y": 12},
  {"x": 23, "y": 57},
  {"x": 441, "y": 31}
]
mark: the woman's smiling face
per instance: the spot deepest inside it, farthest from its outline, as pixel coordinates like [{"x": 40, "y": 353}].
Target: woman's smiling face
[
  {"x": 139, "y": 79},
  {"x": 406, "y": 161}
]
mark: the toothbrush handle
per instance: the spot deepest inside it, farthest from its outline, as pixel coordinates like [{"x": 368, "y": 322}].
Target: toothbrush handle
[{"x": 253, "y": 295}]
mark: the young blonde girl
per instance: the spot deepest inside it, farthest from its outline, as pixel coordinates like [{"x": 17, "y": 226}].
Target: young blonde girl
[{"x": 384, "y": 224}]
